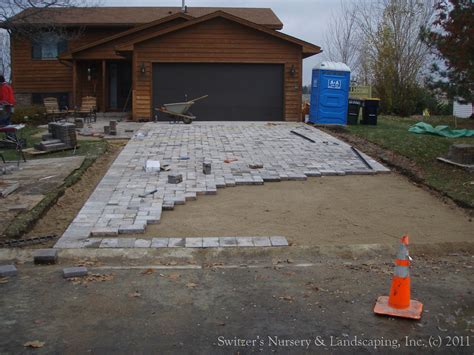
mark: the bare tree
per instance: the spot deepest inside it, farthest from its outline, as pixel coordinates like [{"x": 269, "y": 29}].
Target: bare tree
[
  {"x": 393, "y": 47},
  {"x": 341, "y": 44},
  {"x": 30, "y": 17},
  {"x": 5, "y": 54}
]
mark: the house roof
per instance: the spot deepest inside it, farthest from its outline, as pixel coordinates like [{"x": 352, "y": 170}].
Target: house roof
[
  {"x": 133, "y": 16},
  {"x": 128, "y": 32},
  {"x": 308, "y": 48}
]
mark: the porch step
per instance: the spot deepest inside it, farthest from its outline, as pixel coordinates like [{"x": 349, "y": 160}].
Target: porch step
[{"x": 113, "y": 115}]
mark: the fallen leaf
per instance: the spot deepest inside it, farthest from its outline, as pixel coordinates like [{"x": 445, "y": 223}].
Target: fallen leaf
[
  {"x": 3, "y": 280},
  {"x": 87, "y": 262},
  {"x": 134, "y": 294},
  {"x": 286, "y": 298},
  {"x": 172, "y": 276},
  {"x": 147, "y": 272},
  {"x": 91, "y": 278},
  {"x": 34, "y": 344},
  {"x": 191, "y": 285}
]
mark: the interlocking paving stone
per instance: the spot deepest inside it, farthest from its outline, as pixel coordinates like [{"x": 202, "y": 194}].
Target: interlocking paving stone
[
  {"x": 109, "y": 243},
  {"x": 279, "y": 241},
  {"x": 227, "y": 241},
  {"x": 104, "y": 232},
  {"x": 245, "y": 242},
  {"x": 131, "y": 229},
  {"x": 262, "y": 242},
  {"x": 92, "y": 242},
  {"x": 210, "y": 242},
  {"x": 176, "y": 242},
  {"x": 159, "y": 242},
  {"x": 7, "y": 270},
  {"x": 193, "y": 243},
  {"x": 115, "y": 206},
  {"x": 143, "y": 243},
  {"x": 125, "y": 242}
]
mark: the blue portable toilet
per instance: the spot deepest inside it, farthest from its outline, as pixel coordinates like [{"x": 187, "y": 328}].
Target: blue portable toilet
[{"x": 330, "y": 93}]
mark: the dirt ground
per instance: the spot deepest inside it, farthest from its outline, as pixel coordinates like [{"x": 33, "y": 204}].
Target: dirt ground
[
  {"x": 328, "y": 210},
  {"x": 58, "y": 218},
  {"x": 203, "y": 308}
]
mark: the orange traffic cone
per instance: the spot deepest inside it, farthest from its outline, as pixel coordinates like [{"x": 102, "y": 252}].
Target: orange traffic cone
[{"x": 398, "y": 304}]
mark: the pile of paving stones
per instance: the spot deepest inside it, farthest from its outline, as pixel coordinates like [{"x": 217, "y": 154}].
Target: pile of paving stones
[
  {"x": 239, "y": 154},
  {"x": 60, "y": 136}
]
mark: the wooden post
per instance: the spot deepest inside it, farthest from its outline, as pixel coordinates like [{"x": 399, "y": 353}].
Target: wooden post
[
  {"x": 104, "y": 86},
  {"x": 74, "y": 83}
]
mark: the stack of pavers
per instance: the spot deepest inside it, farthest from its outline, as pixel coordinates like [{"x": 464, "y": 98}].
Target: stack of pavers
[{"x": 61, "y": 136}]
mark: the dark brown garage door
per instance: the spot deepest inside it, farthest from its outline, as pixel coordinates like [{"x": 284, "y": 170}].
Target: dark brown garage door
[{"x": 237, "y": 92}]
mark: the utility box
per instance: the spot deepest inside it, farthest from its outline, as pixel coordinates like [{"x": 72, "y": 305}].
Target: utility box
[{"x": 330, "y": 93}]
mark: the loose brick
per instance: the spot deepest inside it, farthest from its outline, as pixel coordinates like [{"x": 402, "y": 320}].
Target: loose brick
[
  {"x": 76, "y": 271},
  {"x": 175, "y": 178},
  {"x": 46, "y": 256},
  {"x": 7, "y": 270}
]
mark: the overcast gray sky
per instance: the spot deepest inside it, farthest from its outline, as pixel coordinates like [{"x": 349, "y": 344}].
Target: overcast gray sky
[{"x": 305, "y": 19}]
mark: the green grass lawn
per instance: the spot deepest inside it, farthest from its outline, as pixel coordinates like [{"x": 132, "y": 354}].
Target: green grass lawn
[
  {"x": 90, "y": 148},
  {"x": 392, "y": 133}
]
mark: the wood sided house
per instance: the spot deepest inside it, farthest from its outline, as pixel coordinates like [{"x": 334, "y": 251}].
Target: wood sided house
[{"x": 135, "y": 59}]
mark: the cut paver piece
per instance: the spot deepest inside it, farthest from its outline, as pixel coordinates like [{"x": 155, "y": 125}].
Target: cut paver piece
[
  {"x": 278, "y": 241},
  {"x": 46, "y": 256},
  {"x": 7, "y": 270},
  {"x": 206, "y": 168},
  {"x": 76, "y": 271}
]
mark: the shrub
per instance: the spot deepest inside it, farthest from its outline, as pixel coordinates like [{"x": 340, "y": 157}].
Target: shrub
[{"x": 34, "y": 115}]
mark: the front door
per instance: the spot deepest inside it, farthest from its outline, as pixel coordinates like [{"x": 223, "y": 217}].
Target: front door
[{"x": 120, "y": 85}]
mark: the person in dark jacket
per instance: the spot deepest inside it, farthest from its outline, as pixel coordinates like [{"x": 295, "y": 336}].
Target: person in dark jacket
[{"x": 7, "y": 102}]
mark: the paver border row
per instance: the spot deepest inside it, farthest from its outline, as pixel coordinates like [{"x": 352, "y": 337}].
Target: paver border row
[{"x": 188, "y": 242}]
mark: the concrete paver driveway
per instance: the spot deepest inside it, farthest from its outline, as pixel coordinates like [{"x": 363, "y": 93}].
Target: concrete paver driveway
[{"x": 239, "y": 153}]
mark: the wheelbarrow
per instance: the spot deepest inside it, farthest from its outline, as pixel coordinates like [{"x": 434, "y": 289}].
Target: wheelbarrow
[{"x": 180, "y": 110}]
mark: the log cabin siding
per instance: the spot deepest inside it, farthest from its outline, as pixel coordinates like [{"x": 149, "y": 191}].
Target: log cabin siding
[
  {"x": 48, "y": 76},
  {"x": 216, "y": 41},
  {"x": 107, "y": 50}
]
